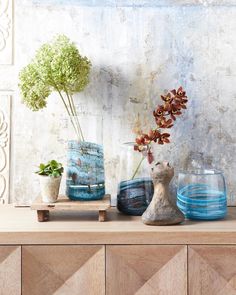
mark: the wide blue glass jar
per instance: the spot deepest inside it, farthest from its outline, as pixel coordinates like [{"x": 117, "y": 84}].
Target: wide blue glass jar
[{"x": 201, "y": 194}]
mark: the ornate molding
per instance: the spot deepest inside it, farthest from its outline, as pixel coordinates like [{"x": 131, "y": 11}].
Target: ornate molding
[
  {"x": 4, "y": 147},
  {"x": 6, "y": 31}
]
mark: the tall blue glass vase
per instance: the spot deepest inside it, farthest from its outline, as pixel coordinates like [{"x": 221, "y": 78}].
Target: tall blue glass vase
[
  {"x": 85, "y": 178},
  {"x": 85, "y": 171}
]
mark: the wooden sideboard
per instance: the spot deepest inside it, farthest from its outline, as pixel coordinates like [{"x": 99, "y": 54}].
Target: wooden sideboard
[{"x": 75, "y": 254}]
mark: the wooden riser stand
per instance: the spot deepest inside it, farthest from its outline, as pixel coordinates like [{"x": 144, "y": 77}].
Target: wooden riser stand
[{"x": 65, "y": 204}]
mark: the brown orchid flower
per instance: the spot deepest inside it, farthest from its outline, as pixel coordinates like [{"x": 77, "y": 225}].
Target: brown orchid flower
[
  {"x": 154, "y": 135},
  {"x": 160, "y": 111},
  {"x": 180, "y": 93},
  {"x": 164, "y": 138},
  {"x": 140, "y": 140},
  {"x": 164, "y": 115},
  {"x": 150, "y": 156},
  {"x": 167, "y": 98},
  {"x": 164, "y": 123},
  {"x": 181, "y": 104},
  {"x": 174, "y": 110}
]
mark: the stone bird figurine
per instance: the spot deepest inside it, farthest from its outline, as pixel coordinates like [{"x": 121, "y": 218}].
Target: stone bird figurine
[{"x": 161, "y": 211}]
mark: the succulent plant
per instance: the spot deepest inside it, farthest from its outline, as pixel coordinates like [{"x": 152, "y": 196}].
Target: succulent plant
[{"x": 52, "y": 168}]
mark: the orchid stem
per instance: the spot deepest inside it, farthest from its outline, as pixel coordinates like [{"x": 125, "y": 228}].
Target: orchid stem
[{"x": 137, "y": 169}]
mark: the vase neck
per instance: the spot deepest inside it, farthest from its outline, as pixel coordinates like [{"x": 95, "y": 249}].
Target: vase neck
[{"x": 161, "y": 193}]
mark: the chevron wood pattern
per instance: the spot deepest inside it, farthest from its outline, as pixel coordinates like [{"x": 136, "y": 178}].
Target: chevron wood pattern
[
  {"x": 10, "y": 270},
  {"x": 63, "y": 270},
  {"x": 212, "y": 270},
  {"x": 146, "y": 270}
]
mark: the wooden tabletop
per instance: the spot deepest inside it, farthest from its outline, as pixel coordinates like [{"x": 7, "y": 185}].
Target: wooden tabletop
[
  {"x": 64, "y": 203},
  {"x": 20, "y": 226}
]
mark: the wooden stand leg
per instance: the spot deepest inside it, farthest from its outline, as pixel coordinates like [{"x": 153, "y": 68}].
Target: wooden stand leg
[
  {"x": 102, "y": 215},
  {"x": 43, "y": 215}
]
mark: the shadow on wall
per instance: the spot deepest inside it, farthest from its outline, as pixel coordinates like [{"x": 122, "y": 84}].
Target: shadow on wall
[{"x": 121, "y": 97}]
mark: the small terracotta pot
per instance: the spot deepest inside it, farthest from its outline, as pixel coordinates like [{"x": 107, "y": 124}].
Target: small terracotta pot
[{"x": 49, "y": 188}]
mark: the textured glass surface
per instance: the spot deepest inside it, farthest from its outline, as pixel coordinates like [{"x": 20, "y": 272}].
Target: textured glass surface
[
  {"x": 202, "y": 194},
  {"x": 134, "y": 195},
  {"x": 135, "y": 189},
  {"x": 85, "y": 179},
  {"x": 85, "y": 171}
]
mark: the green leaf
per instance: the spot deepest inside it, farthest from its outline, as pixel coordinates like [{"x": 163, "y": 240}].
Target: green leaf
[
  {"x": 55, "y": 174},
  {"x": 41, "y": 166},
  {"x": 52, "y": 168},
  {"x": 53, "y": 163}
]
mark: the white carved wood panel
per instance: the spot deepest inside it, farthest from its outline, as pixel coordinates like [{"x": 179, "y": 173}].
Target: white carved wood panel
[
  {"x": 6, "y": 35},
  {"x": 5, "y": 111}
]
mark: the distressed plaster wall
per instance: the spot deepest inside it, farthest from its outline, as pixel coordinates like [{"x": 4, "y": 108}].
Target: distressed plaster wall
[{"x": 138, "y": 49}]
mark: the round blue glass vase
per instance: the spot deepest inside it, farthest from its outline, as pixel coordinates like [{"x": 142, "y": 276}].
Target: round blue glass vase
[
  {"x": 135, "y": 189},
  {"x": 134, "y": 196},
  {"x": 201, "y": 194}
]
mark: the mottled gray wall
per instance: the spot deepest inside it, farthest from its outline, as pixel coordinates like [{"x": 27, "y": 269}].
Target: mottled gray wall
[{"x": 137, "y": 52}]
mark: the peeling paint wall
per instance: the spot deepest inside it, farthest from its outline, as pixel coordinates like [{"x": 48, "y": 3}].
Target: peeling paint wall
[{"x": 137, "y": 49}]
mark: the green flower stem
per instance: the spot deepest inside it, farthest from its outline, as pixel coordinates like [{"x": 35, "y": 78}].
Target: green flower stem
[
  {"x": 76, "y": 117},
  {"x": 137, "y": 169},
  {"x": 66, "y": 107},
  {"x": 70, "y": 115},
  {"x": 68, "y": 111},
  {"x": 74, "y": 113}
]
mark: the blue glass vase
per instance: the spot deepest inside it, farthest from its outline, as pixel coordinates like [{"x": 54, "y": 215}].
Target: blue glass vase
[
  {"x": 202, "y": 194},
  {"x": 135, "y": 189},
  {"x": 134, "y": 196},
  {"x": 85, "y": 171}
]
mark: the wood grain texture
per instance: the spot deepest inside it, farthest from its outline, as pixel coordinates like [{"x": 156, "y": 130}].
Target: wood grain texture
[
  {"x": 67, "y": 228},
  {"x": 63, "y": 203},
  {"x": 43, "y": 215},
  {"x": 10, "y": 270},
  {"x": 63, "y": 270},
  {"x": 212, "y": 270},
  {"x": 102, "y": 215},
  {"x": 141, "y": 270}
]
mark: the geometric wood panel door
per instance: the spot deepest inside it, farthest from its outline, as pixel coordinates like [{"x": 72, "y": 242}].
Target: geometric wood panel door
[
  {"x": 212, "y": 270},
  {"x": 10, "y": 270},
  {"x": 146, "y": 270},
  {"x": 63, "y": 270}
]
